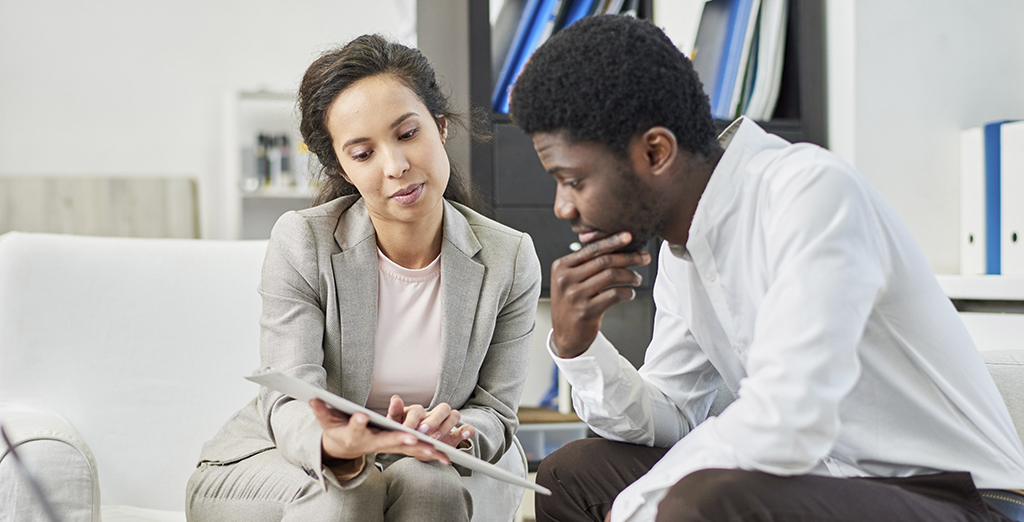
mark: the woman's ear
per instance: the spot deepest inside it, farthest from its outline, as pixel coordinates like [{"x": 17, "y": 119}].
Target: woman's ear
[{"x": 442, "y": 124}]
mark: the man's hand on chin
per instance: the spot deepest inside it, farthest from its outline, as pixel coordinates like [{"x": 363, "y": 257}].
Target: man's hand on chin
[{"x": 586, "y": 283}]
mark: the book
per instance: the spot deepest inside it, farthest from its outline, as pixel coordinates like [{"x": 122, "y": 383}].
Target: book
[{"x": 1011, "y": 196}]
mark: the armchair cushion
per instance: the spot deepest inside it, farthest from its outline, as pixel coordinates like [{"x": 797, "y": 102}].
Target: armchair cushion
[{"x": 59, "y": 461}]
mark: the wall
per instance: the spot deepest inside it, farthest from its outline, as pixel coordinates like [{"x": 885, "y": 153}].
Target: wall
[
  {"x": 123, "y": 87},
  {"x": 905, "y": 77}
]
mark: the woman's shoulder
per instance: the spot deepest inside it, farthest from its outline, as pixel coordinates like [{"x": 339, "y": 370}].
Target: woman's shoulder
[
  {"x": 483, "y": 225},
  {"x": 316, "y": 223}
]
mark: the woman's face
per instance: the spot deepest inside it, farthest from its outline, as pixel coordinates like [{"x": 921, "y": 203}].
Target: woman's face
[{"x": 390, "y": 148}]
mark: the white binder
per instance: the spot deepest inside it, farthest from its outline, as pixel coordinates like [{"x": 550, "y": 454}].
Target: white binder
[
  {"x": 1012, "y": 199},
  {"x": 972, "y": 202}
]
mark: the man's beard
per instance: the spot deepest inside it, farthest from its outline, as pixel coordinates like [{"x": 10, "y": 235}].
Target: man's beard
[{"x": 637, "y": 210}]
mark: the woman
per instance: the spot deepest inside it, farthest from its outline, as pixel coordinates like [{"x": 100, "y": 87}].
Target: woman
[{"x": 390, "y": 293}]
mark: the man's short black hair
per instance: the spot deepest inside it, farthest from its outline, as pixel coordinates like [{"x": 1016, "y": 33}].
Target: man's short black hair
[{"x": 609, "y": 78}]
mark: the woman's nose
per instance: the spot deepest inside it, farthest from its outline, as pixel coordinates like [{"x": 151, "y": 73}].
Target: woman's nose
[{"x": 396, "y": 164}]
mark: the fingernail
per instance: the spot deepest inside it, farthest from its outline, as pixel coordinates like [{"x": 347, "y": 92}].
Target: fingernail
[
  {"x": 423, "y": 428},
  {"x": 465, "y": 434}
]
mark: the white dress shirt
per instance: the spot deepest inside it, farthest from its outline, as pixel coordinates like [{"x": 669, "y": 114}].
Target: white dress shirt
[{"x": 802, "y": 289}]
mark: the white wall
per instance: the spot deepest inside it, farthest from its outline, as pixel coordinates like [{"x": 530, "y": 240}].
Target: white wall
[
  {"x": 905, "y": 77},
  {"x": 130, "y": 87}
]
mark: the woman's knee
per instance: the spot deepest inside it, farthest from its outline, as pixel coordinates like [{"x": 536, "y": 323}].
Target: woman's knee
[{"x": 426, "y": 482}]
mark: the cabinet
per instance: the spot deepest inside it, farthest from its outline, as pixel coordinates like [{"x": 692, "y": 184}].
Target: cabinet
[
  {"x": 991, "y": 307},
  {"x": 266, "y": 168}
]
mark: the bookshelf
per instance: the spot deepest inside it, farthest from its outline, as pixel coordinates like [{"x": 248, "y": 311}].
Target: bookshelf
[
  {"x": 506, "y": 169},
  {"x": 254, "y": 203}
]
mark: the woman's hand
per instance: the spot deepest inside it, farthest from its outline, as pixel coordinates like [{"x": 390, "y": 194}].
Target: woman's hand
[
  {"x": 349, "y": 437},
  {"x": 439, "y": 423}
]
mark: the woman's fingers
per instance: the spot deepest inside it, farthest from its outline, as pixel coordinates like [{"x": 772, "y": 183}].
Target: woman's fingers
[{"x": 432, "y": 422}]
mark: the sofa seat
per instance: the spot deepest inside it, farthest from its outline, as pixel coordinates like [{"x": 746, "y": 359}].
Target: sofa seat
[{"x": 120, "y": 357}]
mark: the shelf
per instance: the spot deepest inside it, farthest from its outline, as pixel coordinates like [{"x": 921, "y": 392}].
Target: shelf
[
  {"x": 983, "y": 287},
  {"x": 284, "y": 193}
]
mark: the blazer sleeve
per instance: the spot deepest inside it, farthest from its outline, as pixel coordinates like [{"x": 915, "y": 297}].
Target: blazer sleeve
[
  {"x": 492, "y": 407},
  {"x": 291, "y": 340}
]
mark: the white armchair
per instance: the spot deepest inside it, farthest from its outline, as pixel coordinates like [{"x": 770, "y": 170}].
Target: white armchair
[{"x": 119, "y": 358}]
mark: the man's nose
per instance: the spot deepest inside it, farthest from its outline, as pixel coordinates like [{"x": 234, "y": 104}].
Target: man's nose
[
  {"x": 395, "y": 163},
  {"x": 564, "y": 207}
]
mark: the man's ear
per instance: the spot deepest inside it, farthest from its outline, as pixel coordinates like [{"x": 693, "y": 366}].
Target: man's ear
[{"x": 659, "y": 147}]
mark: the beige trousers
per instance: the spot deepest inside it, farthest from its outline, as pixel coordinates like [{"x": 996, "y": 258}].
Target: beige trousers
[{"x": 266, "y": 487}]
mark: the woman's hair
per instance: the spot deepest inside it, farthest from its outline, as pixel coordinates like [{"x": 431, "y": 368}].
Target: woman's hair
[{"x": 337, "y": 70}]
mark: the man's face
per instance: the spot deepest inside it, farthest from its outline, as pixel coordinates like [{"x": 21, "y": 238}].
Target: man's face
[{"x": 598, "y": 192}]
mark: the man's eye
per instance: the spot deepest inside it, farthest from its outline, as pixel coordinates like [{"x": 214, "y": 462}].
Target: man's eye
[{"x": 571, "y": 183}]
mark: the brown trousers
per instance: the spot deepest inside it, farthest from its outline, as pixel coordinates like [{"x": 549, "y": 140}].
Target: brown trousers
[{"x": 585, "y": 477}]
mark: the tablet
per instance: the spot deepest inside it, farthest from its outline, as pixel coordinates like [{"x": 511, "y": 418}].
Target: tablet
[{"x": 304, "y": 391}]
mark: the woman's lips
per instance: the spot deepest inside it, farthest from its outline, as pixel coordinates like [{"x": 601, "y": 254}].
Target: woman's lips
[{"x": 408, "y": 195}]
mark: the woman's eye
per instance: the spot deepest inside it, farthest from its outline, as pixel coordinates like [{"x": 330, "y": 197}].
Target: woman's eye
[
  {"x": 362, "y": 156},
  {"x": 409, "y": 134}
]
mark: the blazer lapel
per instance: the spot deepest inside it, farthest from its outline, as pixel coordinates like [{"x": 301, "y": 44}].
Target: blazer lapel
[
  {"x": 355, "y": 277},
  {"x": 461, "y": 279}
]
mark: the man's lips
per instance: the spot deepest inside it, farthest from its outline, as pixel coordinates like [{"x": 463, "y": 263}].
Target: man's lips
[
  {"x": 408, "y": 194},
  {"x": 589, "y": 235}
]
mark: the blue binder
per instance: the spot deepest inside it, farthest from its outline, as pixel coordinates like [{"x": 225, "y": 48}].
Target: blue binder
[
  {"x": 739, "y": 18},
  {"x": 527, "y": 39},
  {"x": 993, "y": 197}
]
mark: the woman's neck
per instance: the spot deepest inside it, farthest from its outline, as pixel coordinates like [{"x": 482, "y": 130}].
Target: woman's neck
[{"x": 410, "y": 245}]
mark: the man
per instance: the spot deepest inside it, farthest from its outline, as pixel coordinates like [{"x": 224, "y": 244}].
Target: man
[{"x": 785, "y": 275}]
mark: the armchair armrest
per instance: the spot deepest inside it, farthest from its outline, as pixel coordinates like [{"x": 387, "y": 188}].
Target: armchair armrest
[
  {"x": 1007, "y": 370},
  {"x": 58, "y": 459}
]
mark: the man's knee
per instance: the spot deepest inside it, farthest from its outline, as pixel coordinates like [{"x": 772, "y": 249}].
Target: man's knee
[
  {"x": 566, "y": 461},
  {"x": 712, "y": 494}
]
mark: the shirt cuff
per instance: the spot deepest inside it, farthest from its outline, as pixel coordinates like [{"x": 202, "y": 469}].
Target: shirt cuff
[
  {"x": 345, "y": 470},
  {"x": 590, "y": 369}
]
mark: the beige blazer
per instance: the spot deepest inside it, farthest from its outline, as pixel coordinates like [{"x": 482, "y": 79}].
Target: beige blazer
[{"x": 319, "y": 319}]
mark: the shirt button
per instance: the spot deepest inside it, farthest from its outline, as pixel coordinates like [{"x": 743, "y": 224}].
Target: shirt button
[{"x": 711, "y": 277}]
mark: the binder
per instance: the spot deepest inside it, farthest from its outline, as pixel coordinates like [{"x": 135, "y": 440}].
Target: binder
[
  {"x": 578, "y": 9},
  {"x": 993, "y": 202},
  {"x": 531, "y": 38},
  {"x": 746, "y": 61},
  {"x": 502, "y": 34},
  {"x": 499, "y": 98},
  {"x": 709, "y": 47},
  {"x": 680, "y": 20},
  {"x": 729, "y": 72},
  {"x": 771, "y": 50},
  {"x": 972, "y": 201},
  {"x": 1011, "y": 195}
]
